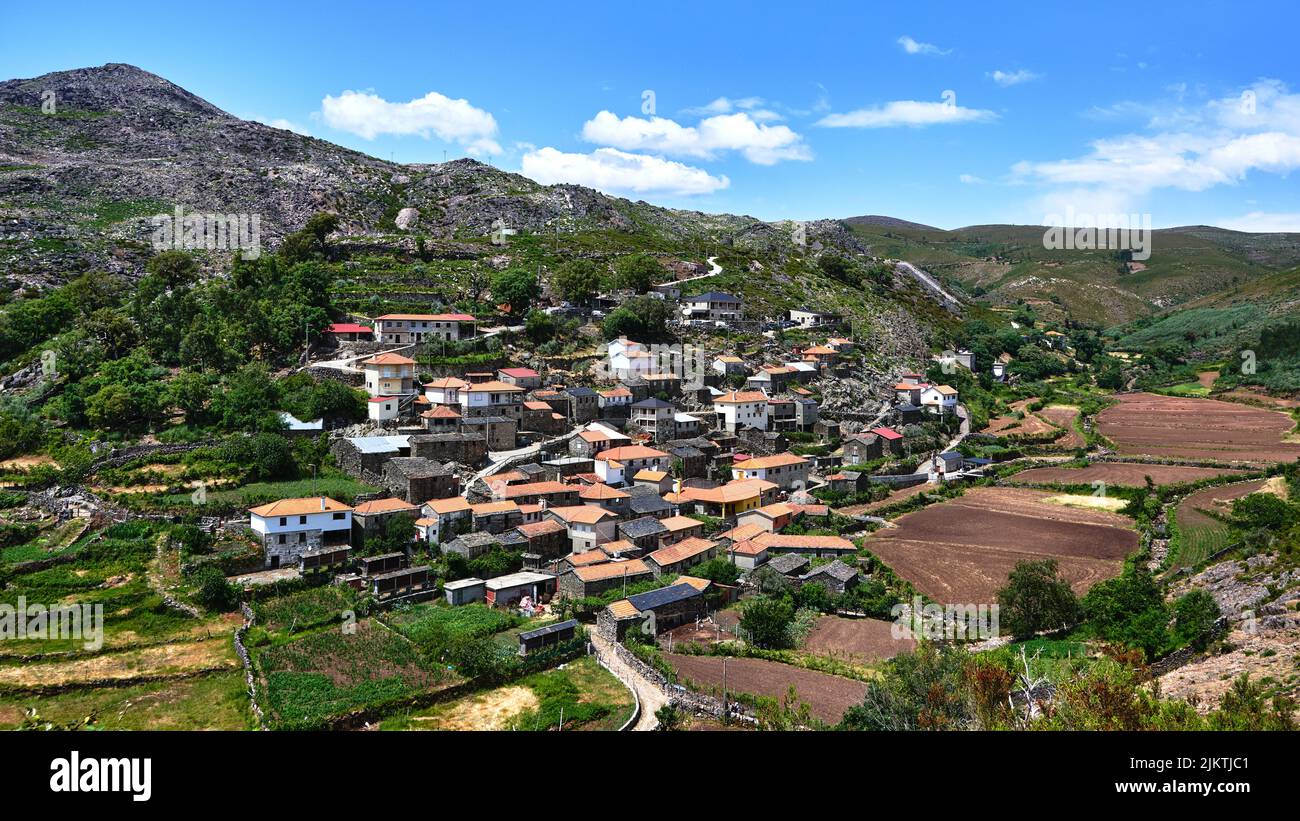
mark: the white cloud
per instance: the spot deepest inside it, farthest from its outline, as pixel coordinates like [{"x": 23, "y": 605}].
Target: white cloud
[
  {"x": 759, "y": 143},
  {"x": 1261, "y": 222},
  {"x": 620, "y": 172},
  {"x": 912, "y": 113},
  {"x": 1220, "y": 143},
  {"x": 368, "y": 115},
  {"x": 914, "y": 47},
  {"x": 971, "y": 179},
  {"x": 1012, "y": 78}
]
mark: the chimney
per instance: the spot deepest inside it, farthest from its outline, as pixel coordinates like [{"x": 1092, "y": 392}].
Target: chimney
[{"x": 322, "y": 503}]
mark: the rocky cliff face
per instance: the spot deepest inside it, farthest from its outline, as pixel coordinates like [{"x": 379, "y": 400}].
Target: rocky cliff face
[{"x": 81, "y": 179}]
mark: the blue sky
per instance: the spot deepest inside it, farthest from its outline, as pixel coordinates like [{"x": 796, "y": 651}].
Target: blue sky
[{"x": 1188, "y": 112}]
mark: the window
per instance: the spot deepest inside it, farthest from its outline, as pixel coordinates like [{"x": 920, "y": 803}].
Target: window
[
  {"x": 302, "y": 537},
  {"x": 338, "y": 517},
  {"x": 302, "y": 520},
  {"x": 282, "y": 539},
  {"x": 283, "y": 521}
]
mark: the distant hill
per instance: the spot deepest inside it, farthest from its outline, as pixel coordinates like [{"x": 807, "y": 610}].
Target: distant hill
[
  {"x": 888, "y": 222},
  {"x": 1003, "y": 264}
]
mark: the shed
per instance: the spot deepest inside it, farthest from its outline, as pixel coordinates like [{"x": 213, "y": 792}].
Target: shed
[
  {"x": 464, "y": 591},
  {"x": 551, "y": 634}
]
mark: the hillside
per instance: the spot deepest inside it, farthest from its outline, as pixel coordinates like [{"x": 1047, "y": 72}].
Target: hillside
[
  {"x": 79, "y": 188},
  {"x": 1002, "y": 264}
]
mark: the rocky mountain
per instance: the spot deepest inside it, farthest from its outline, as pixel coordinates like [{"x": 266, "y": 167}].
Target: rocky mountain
[{"x": 89, "y": 156}]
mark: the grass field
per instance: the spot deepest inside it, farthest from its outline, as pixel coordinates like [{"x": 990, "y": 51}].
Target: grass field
[
  {"x": 585, "y": 694},
  {"x": 326, "y": 674},
  {"x": 214, "y": 702}
]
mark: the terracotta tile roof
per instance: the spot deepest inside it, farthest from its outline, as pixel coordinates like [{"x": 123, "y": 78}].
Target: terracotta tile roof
[
  {"x": 535, "y": 529},
  {"x": 425, "y": 522},
  {"x": 650, "y": 475},
  {"x": 348, "y": 328},
  {"x": 519, "y": 373},
  {"x": 614, "y": 393},
  {"x": 586, "y": 558},
  {"x": 694, "y": 581},
  {"x": 623, "y": 609},
  {"x": 779, "y": 460},
  {"x": 537, "y": 406},
  {"x": 734, "y": 491},
  {"x": 582, "y": 514},
  {"x": 441, "y": 412},
  {"x": 536, "y": 489},
  {"x": 610, "y": 570},
  {"x": 381, "y": 506},
  {"x": 617, "y": 546},
  {"x": 451, "y": 505},
  {"x": 300, "y": 506},
  {"x": 681, "y": 551},
  {"x": 388, "y": 359},
  {"x": 887, "y": 433},
  {"x": 676, "y": 523},
  {"x": 740, "y": 533},
  {"x": 602, "y": 491},
  {"x": 489, "y": 508},
  {"x": 630, "y": 452},
  {"x": 738, "y": 397},
  {"x": 774, "y": 510},
  {"x": 447, "y": 382},
  {"x": 749, "y": 547},
  {"x": 493, "y": 386},
  {"x": 777, "y": 541}
]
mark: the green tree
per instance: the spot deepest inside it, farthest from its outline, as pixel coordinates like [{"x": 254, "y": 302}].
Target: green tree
[
  {"x": 766, "y": 621},
  {"x": 516, "y": 287},
  {"x": 248, "y": 400},
  {"x": 1036, "y": 598},
  {"x": 1195, "y": 613},
  {"x": 1130, "y": 610},
  {"x": 578, "y": 280},
  {"x": 636, "y": 272},
  {"x": 213, "y": 592}
]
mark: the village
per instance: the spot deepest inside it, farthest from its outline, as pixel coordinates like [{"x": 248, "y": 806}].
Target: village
[
  {"x": 608, "y": 488},
  {"x": 613, "y": 480}
]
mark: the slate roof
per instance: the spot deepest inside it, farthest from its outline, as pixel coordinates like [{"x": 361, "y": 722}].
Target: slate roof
[{"x": 652, "y": 599}]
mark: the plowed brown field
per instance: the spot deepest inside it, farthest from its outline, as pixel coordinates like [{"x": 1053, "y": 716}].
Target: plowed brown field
[
  {"x": 827, "y": 696},
  {"x": 1120, "y": 474},
  {"x": 1152, "y": 425},
  {"x": 961, "y": 551}
]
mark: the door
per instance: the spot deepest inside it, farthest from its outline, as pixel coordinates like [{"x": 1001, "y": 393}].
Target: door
[{"x": 275, "y": 562}]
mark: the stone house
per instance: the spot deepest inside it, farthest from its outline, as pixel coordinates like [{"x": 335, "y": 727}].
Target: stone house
[{"x": 416, "y": 479}]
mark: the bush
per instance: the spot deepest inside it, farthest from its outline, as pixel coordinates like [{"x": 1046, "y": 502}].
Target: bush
[
  {"x": 1036, "y": 598},
  {"x": 214, "y": 592}
]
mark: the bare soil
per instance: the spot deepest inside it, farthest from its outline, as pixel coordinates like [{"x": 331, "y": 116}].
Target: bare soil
[
  {"x": 961, "y": 551},
  {"x": 1169, "y": 426}
]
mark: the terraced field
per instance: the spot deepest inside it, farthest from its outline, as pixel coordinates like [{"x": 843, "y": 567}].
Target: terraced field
[
  {"x": 1120, "y": 474},
  {"x": 1200, "y": 534},
  {"x": 1148, "y": 424},
  {"x": 962, "y": 550}
]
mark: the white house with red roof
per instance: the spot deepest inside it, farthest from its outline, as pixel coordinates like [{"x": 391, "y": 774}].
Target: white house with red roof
[
  {"x": 738, "y": 410},
  {"x": 939, "y": 399},
  {"x": 389, "y": 374}
]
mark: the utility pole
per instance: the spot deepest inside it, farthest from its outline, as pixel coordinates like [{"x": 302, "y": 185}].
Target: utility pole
[{"x": 725, "y": 712}]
